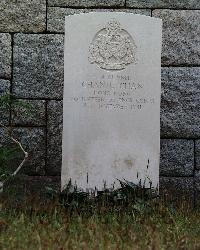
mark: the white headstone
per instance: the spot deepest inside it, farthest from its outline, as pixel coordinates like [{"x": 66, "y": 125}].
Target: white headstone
[{"x": 111, "y": 121}]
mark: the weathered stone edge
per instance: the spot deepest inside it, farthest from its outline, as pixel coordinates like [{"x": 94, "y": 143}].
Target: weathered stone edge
[
  {"x": 163, "y": 5},
  {"x": 85, "y": 4}
]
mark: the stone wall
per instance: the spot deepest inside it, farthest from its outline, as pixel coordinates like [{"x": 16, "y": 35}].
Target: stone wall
[{"x": 31, "y": 67}]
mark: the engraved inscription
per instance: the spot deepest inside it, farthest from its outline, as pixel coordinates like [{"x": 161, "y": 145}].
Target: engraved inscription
[
  {"x": 113, "y": 92},
  {"x": 112, "y": 48}
]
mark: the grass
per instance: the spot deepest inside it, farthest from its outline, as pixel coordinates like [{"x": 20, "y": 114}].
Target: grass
[{"x": 140, "y": 225}]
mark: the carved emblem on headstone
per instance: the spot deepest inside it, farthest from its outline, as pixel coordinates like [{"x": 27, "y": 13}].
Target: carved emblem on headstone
[{"x": 112, "y": 48}]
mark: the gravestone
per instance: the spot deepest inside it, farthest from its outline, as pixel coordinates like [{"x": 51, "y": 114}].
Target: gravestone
[{"x": 111, "y": 120}]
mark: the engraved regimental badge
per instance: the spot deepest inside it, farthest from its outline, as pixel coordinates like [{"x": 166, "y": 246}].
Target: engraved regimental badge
[{"x": 112, "y": 48}]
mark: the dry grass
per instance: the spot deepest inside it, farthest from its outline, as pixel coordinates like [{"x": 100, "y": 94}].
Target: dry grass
[{"x": 137, "y": 226}]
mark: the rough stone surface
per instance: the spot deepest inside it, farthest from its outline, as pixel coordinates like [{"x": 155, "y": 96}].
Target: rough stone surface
[
  {"x": 177, "y": 188},
  {"x": 38, "y": 66},
  {"x": 4, "y": 139},
  {"x": 197, "y": 180},
  {"x": 185, "y": 4},
  {"x": 22, "y": 15},
  {"x": 28, "y": 112},
  {"x": 177, "y": 157},
  {"x": 181, "y": 36},
  {"x": 22, "y": 188},
  {"x": 5, "y": 56},
  {"x": 197, "y": 154},
  {"x": 54, "y": 137},
  {"x": 33, "y": 141},
  {"x": 4, "y": 87},
  {"x": 180, "y": 102},
  {"x": 197, "y": 188},
  {"x": 56, "y": 16},
  {"x": 87, "y": 3},
  {"x": 4, "y": 109}
]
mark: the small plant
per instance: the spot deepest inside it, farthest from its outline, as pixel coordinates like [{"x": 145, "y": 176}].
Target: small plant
[
  {"x": 128, "y": 195},
  {"x": 7, "y": 100},
  {"x": 7, "y": 154}
]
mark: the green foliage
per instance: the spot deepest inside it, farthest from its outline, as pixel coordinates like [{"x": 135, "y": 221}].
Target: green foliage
[
  {"x": 73, "y": 198},
  {"x": 5, "y": 100},
  {"x": 9, "y": 100},
  {"x": 8, "y": 154}
]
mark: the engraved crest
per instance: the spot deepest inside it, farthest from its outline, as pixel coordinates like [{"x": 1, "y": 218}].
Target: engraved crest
[{"x": 112, "y": 48}]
